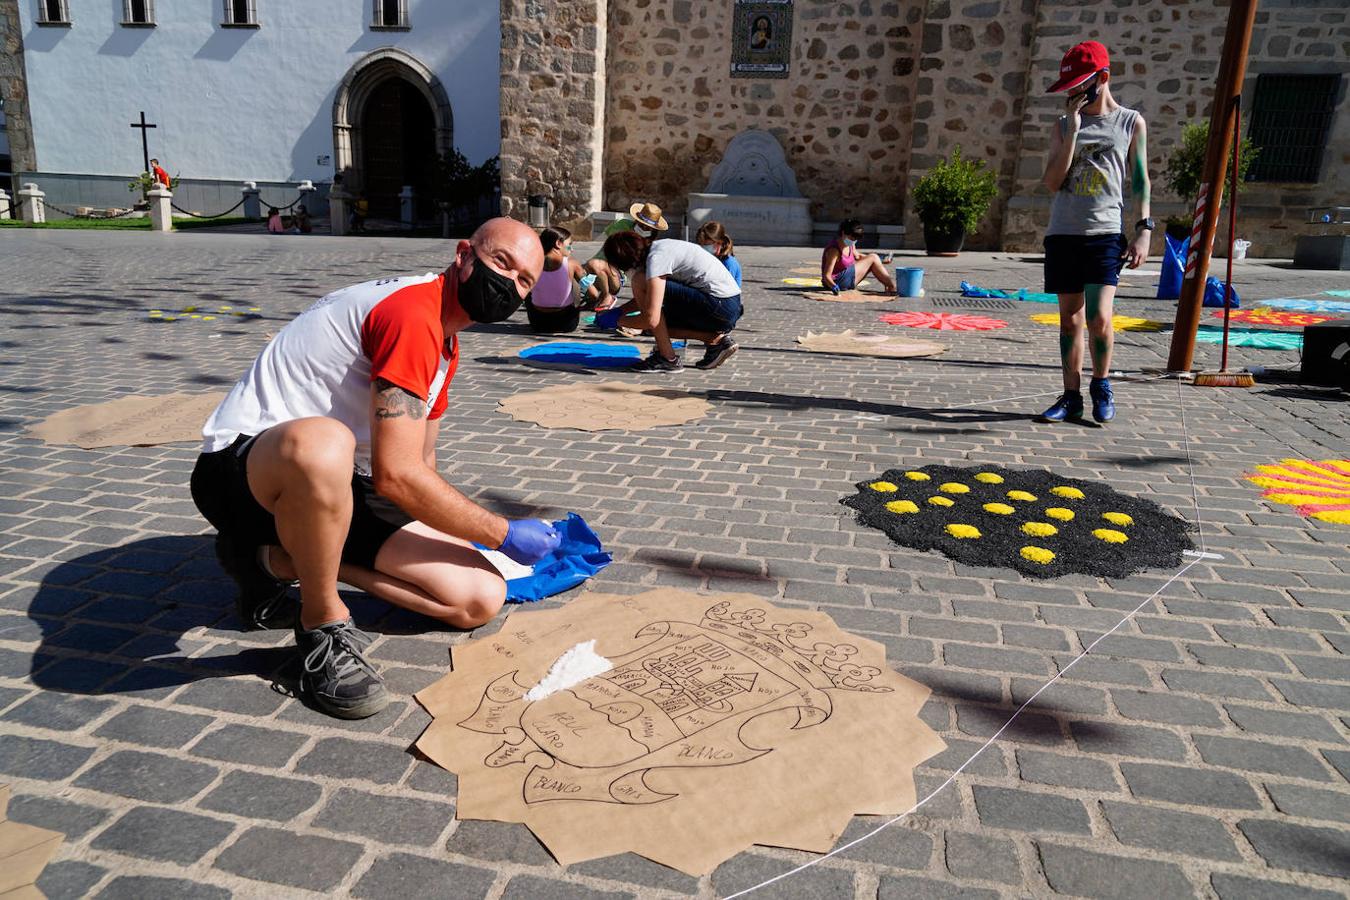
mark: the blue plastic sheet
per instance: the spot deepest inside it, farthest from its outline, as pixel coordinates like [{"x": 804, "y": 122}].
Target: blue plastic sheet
[
  {"x": 1214, "y": 291},
  {"x": 1173, "y": 267},
  {"x": 1299, "y": 304},
  {"x": 974, "y": 290},
  {"x": 578, "y": 557},
  {"x": 582, "y": 353}
]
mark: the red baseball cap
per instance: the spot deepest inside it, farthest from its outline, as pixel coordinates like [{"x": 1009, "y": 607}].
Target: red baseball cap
[{"x": 1080, "y": 64}]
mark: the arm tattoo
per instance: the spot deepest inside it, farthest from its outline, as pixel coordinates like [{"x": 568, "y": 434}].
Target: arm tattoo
[{"x": 396, "y": 402}]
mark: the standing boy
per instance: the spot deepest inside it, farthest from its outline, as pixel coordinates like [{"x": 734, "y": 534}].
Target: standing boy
[{"x": 1093, "y": 144}]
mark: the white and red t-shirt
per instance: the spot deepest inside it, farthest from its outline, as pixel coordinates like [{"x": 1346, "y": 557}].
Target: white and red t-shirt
[{"x": 324, "y": 361}]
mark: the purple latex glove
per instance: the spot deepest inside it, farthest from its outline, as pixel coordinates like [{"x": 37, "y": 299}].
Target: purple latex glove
[{"x": 529, "y": 540}]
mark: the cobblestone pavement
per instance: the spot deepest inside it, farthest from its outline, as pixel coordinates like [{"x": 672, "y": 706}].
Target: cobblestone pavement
[{"x": 1200, "y": 751}]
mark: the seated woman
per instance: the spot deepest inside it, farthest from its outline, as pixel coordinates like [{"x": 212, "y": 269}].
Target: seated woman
[
  {"x": 681, "y": 291},
  {"x": 274, "y": 223},
  {"x": 714, "y": 238},
  {"x": 552, "y": 305},
  {"x": 842, "y": 269}
]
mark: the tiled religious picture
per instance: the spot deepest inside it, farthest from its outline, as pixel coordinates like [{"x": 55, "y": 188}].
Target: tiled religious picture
[{"x": 761, "y": 38}]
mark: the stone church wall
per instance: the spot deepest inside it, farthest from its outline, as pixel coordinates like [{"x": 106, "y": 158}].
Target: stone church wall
[
  {"x": 843, "y": 114},
  {"x": 880, "y": 89},
  {"x": 14, "y": 89}
]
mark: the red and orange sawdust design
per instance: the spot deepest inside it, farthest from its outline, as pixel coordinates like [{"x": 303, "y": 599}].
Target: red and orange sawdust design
[
  {"x": 1319, "y": 489},
  {"x": 1034, "y": 521},
  {"x": 941, "y": 321},
  {"x": 1280, "y": 318}
]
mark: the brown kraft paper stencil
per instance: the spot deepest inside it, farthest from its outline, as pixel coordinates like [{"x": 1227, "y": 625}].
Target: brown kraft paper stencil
[
  {"x": 130, "y": 421},
  {"x": 856, "y": 344},
  {"x": 850, "y": 296},
  {"x": 715, "y": 703},
  {"x": 24, "y": 852},
  {"x": 607, "y": 406}
]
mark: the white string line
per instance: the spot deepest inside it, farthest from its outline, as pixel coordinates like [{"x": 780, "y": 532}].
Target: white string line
[{"x": 1043, "y": 688}]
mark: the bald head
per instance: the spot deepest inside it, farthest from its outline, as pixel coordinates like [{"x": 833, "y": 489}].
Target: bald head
[{"x": 512, "y": 249}]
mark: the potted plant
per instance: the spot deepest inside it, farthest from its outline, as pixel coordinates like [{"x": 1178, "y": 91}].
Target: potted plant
[
  {"x": 951, "y": 199},
  {"x": 1185, "y": 168}
]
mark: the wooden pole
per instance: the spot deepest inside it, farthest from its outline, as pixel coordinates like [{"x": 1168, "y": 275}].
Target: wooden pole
[{"x": 1232, "y": 70}]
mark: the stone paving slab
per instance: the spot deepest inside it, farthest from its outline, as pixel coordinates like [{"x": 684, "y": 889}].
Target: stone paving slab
[{"x": 1203, "y": 749}]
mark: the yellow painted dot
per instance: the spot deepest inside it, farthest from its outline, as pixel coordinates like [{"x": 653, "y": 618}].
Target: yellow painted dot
[
  {"x": 255, "y": 309},
  {"x": 1116, "y": 518},
  {"x": 883, "y": 487},
  {"x": 1040, "y": 529},
  {"x": 999, "y": 509},
  {"x": 154, "y": 312},
  {"x": 941, "y": 501},
  {"x": 206, "y": 318},
  {"x": 189, "y": 309},
  {"x": 965, "y": 532},
  {"x": 1110, "y": 536},
  {"x": 989, "y": 478},
  {"x": 1068, "y": 493},
  {"x": 1021, "y": 495},
  {"x": 1038, "y": 555},
  {"x": 1059, "y": 512},
  {"x": 918, "y": 476},
  {"x": 901, "y": 507},
  {"x": 953, "y": 487},
  {"x": 194, "y": 316}
]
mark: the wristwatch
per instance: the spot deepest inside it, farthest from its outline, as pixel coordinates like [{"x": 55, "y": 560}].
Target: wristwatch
[{"x": 1145, "y": 225}]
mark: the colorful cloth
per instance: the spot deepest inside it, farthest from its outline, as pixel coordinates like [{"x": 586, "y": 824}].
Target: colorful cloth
[
  {"x": 974, "y": 290},
  {"x": 943, "y": 321},
  {"x": 1256, "y": 340},
  {"x": 1280, "y": 318},
  {"x": 1303, "y": 305},
  {"x": 1118, "y": 323}
]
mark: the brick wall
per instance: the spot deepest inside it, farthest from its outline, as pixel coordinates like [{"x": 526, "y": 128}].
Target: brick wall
[{"x": 14, "y": 88}]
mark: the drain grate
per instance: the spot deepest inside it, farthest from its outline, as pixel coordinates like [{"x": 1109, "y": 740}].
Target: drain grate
[{"x": 974, "y": 302}]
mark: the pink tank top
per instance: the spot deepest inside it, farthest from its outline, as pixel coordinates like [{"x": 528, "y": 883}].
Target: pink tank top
[
  {"x": 553, "y": 290},
  {"x": 847, "y": 256}
]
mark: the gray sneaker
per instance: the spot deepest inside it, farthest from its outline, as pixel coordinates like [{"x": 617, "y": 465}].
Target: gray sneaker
[{"x": 336, "y": 676}]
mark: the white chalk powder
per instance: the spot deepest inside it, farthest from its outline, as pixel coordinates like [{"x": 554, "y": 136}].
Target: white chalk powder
[{"x": 573, "y": 667}]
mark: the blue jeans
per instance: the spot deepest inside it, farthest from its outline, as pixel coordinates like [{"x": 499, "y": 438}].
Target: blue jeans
[{"x": 690, "y": 309}]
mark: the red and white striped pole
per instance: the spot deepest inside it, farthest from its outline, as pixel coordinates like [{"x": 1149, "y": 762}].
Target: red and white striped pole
[{"x": 1197, "y": 226}]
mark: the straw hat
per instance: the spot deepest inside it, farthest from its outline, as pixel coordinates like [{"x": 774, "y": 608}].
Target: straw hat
[{"x": 648, "y": 214}]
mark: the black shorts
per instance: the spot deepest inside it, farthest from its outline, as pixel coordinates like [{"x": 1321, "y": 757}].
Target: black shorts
[
  {"x": 544, "y": 320},
  {"x": 220, "y": 490},
  {"x": 1074, "y": 261}
]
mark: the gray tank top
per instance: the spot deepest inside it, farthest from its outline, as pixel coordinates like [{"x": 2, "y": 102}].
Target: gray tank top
[{"x": 1092, "y": 198}]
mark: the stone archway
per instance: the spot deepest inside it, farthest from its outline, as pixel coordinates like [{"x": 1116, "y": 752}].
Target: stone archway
[{"x": 384, "y": 85}]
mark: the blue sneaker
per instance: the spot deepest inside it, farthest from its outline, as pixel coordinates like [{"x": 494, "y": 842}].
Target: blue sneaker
[
  {"x": 1103, "y": 401},
  {"x": 1068, "y": 407}
]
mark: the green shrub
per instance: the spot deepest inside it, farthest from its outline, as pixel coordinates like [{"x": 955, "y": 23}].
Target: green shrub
[
  {"x": 1186, "y": 165},
  {"x": 955, "y": 194}
]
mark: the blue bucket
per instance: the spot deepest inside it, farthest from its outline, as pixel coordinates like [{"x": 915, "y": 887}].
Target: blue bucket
[{"x": 909, "y": 281}]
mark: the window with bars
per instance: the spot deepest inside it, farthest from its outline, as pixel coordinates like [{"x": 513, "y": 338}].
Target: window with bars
[
  {"x": 1290, "y": 121},
  {"x": 241, "y": 13},
  {"x": 53, "y": 12},
  {"x": 138, "y": 12},
  {"x": 390, "y": 14}
]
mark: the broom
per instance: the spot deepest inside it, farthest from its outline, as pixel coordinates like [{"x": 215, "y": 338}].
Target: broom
[{"x": 1223, "y": 377}]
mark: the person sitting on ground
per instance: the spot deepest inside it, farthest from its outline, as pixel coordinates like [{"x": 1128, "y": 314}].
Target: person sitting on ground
[
  {"x": 645, "y": 219},
  {"x": 300, "y": 223},
  {"x": 842, "y": 269},
  {"x": 714, "y": 238},
  {"x": 274, "y": 223},
  {"x": 682, "y": 291},
  {"x": 360, "y": 209},
  {"x": 552, "y": 305},
  {"x": 320, "y": 466}
]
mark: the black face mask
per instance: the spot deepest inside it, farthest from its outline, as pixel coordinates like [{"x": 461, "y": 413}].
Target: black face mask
[{"x": 488, "y": 296}]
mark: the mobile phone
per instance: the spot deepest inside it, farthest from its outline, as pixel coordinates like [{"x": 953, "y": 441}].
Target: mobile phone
[{"x": 1091, "y": 95}]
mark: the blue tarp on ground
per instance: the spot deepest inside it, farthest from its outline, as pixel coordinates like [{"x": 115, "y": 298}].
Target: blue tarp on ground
[{"x": 578, "y": 557}]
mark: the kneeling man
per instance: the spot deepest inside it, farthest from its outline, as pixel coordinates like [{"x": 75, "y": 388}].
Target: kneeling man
[{"x": 320, "y": 466}]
